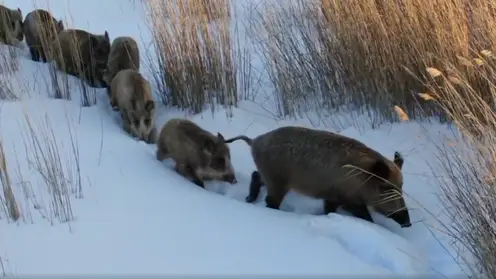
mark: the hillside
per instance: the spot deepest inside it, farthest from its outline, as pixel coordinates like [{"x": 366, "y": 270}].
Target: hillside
[{"x": 127, "y": 213}]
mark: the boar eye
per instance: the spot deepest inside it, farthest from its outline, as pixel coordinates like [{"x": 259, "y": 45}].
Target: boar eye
[
  {"x": 136, "y": 122},
  {"x": 147, "y": 121},
  {"x": 218, "y": 162}
]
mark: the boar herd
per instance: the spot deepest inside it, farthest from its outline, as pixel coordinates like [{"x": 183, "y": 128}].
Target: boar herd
[
  {"x": 341, "y": 171},
  {"x": 90, "y": 57}
]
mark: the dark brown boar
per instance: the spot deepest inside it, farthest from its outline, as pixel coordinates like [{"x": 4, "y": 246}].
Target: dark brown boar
[
  {"x": 325, "y": 165},
  {"x": 41, "y": 29},
  {"x": 82, "y": 54}
]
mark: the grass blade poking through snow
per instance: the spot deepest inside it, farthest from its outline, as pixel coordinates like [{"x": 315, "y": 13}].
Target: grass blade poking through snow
[
  {"x": 9, "y": 65},
  {"x": 466, "y": 170},
  {"x": 45, "y": 156},
  {"x": 8, "y": 199}
]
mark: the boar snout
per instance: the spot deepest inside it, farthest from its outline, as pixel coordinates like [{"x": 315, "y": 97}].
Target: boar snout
[{"x": 402, "y": 218}]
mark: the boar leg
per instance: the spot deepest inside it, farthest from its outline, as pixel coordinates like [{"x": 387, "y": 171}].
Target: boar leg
[
  {"x": 126, "y": 122},
  {"x": 43, "y": 56},
  {"x": 255, "y": 185},
  {"x": 112, "y": 100},
  {"x": 162, "y": 152},
  {"x": 113, "y": 104},
  {"x": 330, "y": 206},
  {"x": 188, "y": 172},
  {"x": 181, "y": 169},
  {"x": 152, "y": 136},
  {"x": 35, "y": 55},
  {"x": 358, "y": 210},
  {"x": 196, "y": 179},
  {"x": 276, "y": 191},
  {"x": 92, "y": 77},
  {"x": 87, "y": 75}
]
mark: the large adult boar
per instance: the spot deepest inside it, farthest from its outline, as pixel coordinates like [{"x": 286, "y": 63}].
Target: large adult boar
[
  {"x": 317, "y": 163},
  {"x": 124, "y": 54},
  {"x": 198, "y": 154},
  {"x": 82, "y": 54},
  {"x": 41, "y": 30},
  {"x": 131, "y": 95},
  {"x": 11, "y": 26}
]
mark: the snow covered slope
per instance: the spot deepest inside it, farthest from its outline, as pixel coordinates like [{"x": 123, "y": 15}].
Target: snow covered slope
[{"x": 134, "y": 215}]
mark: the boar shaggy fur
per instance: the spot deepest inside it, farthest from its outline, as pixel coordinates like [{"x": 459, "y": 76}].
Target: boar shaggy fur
[
  {"x": 124, "y": 54},
  {"x": 198, "y": 154},
  {"x": 40, "y": 30},
  {"x": 11, "y": 26},
  {"x": 319, "y": 164},
  {"x": 82, "y": 54},
  {"x": 131, "y": 95}
]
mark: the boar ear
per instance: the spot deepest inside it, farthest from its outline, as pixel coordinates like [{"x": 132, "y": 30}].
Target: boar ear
[
  {"x": 61, "y": 25},
  {"x": 380, "y": 169},
  {"x": 398, "y": 159},
  {"x": 19, "y": 10},
  {"x": 220, "y": 137},
  {"x": 107, "y": 36},
  {"x": 149, "y": 105}
]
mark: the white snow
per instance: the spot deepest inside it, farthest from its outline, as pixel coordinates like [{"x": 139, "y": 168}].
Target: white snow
[{"x": 137, "y": 216}]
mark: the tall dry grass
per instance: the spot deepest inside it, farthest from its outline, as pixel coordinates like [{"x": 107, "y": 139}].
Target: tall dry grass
[
  {"x": 194, "y": 52},
  {"x": 20, "y": 194},
  {"x": 58, "y": 174},
  {"x": 56, "y": 179},
  {"x": 8, "y": 199},
  {"x": 467, "y": 179},
  {"x": 9, "y": 67},
  {"x": 367, "y": 55}
]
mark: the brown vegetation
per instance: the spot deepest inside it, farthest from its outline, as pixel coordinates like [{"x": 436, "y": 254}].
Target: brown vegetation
[
  {"x": 194, "y": 50},
  {"x": 369, "y": 54}
]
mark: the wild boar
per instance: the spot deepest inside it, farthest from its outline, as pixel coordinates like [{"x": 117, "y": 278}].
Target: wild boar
[
  {"x": 82, "y": 54},
  {"x": 340, "y": 170},
  {"x": 41, "y": 29},
  {"x": 131, "y": 95},
  {"x": 198, "y": 154}
]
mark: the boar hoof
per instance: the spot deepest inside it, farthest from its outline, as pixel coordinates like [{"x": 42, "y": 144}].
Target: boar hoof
[
  {"x": 199, "y": 183},
  {"x": 250, "y": 198}
]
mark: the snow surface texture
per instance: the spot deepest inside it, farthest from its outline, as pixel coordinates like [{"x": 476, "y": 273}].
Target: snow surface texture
[{"x": 135, "y": 215}]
